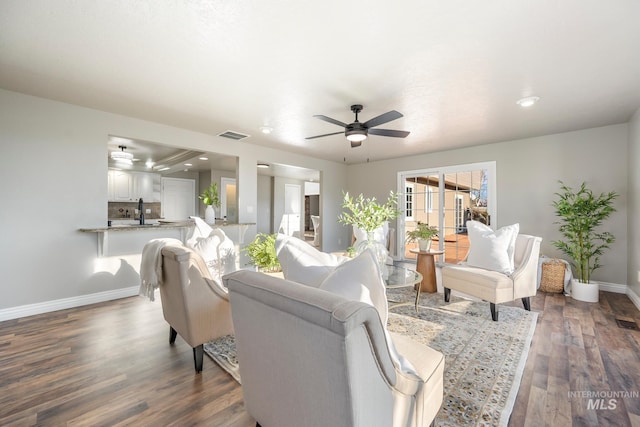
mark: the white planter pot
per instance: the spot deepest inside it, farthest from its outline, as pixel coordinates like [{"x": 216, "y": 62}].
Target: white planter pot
[
  {"x": 587, "y": 292},
  {"x": 424, "y": 244},
  {"x": 210, "y": 215}
]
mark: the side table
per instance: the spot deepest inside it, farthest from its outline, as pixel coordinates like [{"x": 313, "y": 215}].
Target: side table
[{"x": 426, "y": 265}]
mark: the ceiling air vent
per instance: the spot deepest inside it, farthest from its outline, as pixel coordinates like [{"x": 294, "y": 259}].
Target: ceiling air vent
[{"x": 233, "y": 135}]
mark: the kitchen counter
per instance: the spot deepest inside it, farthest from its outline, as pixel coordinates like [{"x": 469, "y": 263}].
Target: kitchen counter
[
  {"x": 156, "y": 225},
  {"x": 129, "y": 233}
]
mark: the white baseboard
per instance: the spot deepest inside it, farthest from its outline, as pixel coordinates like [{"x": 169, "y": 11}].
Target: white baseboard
[
  {"x": 611, "y": 287},
  {"x": 635, "y": 299},
  {"x": 61, "y": 304}
]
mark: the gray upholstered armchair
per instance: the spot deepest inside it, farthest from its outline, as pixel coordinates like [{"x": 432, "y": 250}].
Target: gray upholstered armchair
[
  {"x": 195, "y": 305},
  {"x": 311, "y": 358}
]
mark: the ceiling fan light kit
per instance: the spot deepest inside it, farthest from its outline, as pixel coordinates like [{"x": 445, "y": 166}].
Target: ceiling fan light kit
[{"x": 357, "y": 132}]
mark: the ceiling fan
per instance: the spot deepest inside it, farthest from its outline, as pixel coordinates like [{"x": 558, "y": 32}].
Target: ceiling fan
[{"x": 357, "y": 132}]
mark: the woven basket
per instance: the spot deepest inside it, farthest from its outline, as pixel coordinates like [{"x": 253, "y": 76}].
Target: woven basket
[{"x": 552, "y": 276}]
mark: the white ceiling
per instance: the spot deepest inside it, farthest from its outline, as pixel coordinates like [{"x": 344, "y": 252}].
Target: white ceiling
[{"x": 453, "y": 68}]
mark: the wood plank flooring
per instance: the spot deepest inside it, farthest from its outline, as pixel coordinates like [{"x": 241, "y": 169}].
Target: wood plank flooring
[{"x": 111, "y": 364}]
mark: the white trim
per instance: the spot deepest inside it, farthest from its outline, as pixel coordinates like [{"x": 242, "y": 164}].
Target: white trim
[
  {"x": 409, "y": 186},
  {"x": 635, "y": 299},
  {"x": 64, "y": 303},
  {"x": 616, "y": 288}
]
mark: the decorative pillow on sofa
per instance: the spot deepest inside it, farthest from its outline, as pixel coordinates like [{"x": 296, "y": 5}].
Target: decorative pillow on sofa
[
  {"x": 217, "y": 251},
  {"x": 492, "y": 250},
  {"x": 359, "y": 279},
  {"x": 303, "y": 263}
]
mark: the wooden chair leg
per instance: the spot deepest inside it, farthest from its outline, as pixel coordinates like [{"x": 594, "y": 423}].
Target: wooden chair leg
[
  {"x": 494, "y": 311},
  {"x": 172, "y": 335},
  {"x": 447, "y": 294},
  {"x": 198, "y": 353},
  {"x": 527, "y": 303}
]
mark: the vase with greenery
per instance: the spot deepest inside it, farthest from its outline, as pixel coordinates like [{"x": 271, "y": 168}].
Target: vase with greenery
[
  {"x": 210, "y": 198},
  {"x": 581, "y": 214},
  {"x": 262, "y": 253},
  {"x": 369, "y": 215},
  {"x": 423, "y": 233}
]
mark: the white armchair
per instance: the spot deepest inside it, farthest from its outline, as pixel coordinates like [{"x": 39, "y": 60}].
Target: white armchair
[
  {"x": 312, "y": 358},
  {"x": 194, "y": 304},
  {"x": 496, "y": 287},
  {"x": 315, "y": 220}
]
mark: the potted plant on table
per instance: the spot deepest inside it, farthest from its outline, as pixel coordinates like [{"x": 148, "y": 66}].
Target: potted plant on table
[
  {"x": 423, "y": 233},
  {"x": 581, "y": 214},
  {"x": 210, "y": 198},
  {"x": 262, "y": 253},
  {"x": 369, "y": 215}
]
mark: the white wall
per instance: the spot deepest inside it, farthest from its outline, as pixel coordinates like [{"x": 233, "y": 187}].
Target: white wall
[
  {"x": 528, "y": 171},
  {"x": 634, "y": 203},
  {"x": 53, "y": 169}
]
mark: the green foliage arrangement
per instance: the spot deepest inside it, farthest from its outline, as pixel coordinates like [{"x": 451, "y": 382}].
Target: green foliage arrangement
[
  {"x": 210, "y": 196},
  {"x": 422, "y": 231},
  {"x": 581, "y": 213},
  {"x": 262, "y": 252},
  {"x": 367, "y": 214}
]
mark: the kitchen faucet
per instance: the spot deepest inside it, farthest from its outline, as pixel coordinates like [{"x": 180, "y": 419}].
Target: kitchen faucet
[{"x": 141, "y": 209}]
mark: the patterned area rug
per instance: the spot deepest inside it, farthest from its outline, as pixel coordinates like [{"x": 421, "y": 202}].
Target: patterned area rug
[{"x": 484, "y": 360}]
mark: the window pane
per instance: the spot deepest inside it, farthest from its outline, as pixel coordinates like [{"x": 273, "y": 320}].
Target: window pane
[{"x": 447, "y": 201}]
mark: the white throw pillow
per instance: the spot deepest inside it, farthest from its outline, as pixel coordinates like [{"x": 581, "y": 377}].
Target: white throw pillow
[
  {"x": 201, "y": 229},
  {"x": 217, "y": 251},
  {"x": 492, "y": 250},
  {"x": 303, "y": 263},
  {"x": 359, "y": 279}
]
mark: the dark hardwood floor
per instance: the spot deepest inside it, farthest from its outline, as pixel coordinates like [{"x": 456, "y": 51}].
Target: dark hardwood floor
[{"x": 111, "y": 364}]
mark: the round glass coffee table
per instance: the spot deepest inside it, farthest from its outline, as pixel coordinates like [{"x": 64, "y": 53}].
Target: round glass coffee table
[{"x": 400, "y": 277}]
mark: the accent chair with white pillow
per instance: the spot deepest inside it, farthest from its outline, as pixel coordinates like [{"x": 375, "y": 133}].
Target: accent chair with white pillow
[
  {"x": 314, "y": 358},
  {"x": 501, "y": 266}
]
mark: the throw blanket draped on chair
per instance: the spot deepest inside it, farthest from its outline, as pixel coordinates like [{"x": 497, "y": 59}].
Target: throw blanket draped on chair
[{"x": 151, "y": 265}]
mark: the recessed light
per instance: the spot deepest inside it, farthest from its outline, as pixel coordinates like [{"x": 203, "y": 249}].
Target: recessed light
[
  {"x": 203, "y": 158},
  {"x": 163, "y": 169},
  {"x": 266, "y": 129},
  {"x": 149, "y": 163},
  {"x": 188, "y": 164},
  {"x": 528, "y": 101},
  {"x": 263, "y": 165}
]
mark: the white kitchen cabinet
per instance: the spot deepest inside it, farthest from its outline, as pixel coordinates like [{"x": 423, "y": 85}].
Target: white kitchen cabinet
[
  {"x": 122, "y": 186},
  {"x": 126, "y": 186}
]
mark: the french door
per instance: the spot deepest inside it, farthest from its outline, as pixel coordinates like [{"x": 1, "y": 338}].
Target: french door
[{"x": 447, "y": 198}]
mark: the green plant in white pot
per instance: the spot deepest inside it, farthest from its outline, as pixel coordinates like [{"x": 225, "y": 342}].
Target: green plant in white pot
[
  {"x": 210, "y": 198},
  {"x": 423, "y": 233},
  {"x": 582, "y": 213}
]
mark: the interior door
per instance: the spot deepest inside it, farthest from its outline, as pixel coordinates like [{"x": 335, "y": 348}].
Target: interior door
[
  {"x": 291, "y": 220},
  {"x": 178, "y": 198}
]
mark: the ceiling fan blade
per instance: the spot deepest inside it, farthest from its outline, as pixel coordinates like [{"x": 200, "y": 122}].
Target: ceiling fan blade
[
  {"x": 326, "y": 134},
  {"x": 330, "y": 120},
  {"x": 389, "y": 132},
  {"x": 382, "y": 118}
]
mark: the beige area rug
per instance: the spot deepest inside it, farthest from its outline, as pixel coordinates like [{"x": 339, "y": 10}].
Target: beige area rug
[{"x": 484, "y": 360}]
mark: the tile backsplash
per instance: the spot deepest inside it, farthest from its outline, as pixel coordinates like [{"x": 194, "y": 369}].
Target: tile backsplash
[{"x": 118, "y": 210}]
